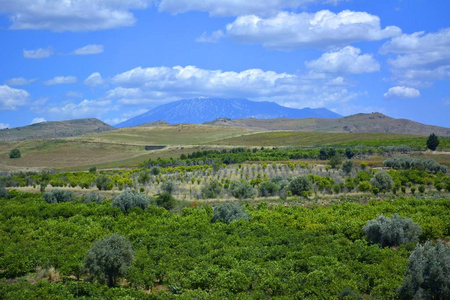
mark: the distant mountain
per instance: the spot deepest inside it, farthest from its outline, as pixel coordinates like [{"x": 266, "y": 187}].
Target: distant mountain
[
  {"x": 200, "y": 110},
  {"x": 54, "y": 129},
  {"x": 370, "y": 123}
]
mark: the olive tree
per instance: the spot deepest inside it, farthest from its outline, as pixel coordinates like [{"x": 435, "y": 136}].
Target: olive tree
[
  {"x": 110, "y": 258},
  {"x": 229, "y": 212},
  {"x": 382, "y": 180},
  {"x": 300, "y": 185},
  {"x": 128, "y": 200},
  {"x": 242, "y": 189},
  {"x": 15, "y": 153},
  {"x": 57, "y": 196}
]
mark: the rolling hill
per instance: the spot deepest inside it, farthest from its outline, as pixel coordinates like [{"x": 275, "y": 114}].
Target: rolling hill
[
  {"x": 54, "y": 129},
  {"x": 359, "y": 123},
  {"x": 200, "y": 110}
]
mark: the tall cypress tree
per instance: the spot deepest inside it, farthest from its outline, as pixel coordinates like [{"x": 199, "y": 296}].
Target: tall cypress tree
[{"x": 432, "y": 142}]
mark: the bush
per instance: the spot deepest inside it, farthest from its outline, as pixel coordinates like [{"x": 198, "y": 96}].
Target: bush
[
  {"x": 347, "y": 166},
  {"x": 104, "y": 183},
  {"x": 4, "y": 192},
  {"x": 169, "y": 187},
  {"x": 92, "y": 197},
  {"x": 165, "y": 200},
  {"x": 383, "y": 181},
  {"x": 212, "y": 189},
  {"x": 110, "y": 258},
  {"x": 229, "y": 212},
  {"x": 392, "y": 232},
  {"x": 268, "y": 188},
  {"x": 57, "y": 196},
  {"x": 155, "y": 171},
  {"x": 242, "y": 190},
  {"x": 15, "y": 153},
  {"x": 300, "y": 185},
  {"x": 349, "y": 153},
  {"x": 335, "y": 161},
  {"x": 128, "y": 200},
  {"x": 428, "y": 273}
]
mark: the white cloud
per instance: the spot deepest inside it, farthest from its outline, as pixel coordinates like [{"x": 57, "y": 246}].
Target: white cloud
[
  {"x": 89, "y": 50},
  {"x": 71, "y": 15},
  {"x": 346, "y": 60},
  {"x": 19, "y": 81},
  {"x": 84, "y": 109},
  {"x": 420, "y": 56},
  {"x": 323, "y": 29},
  {"x": 38, "y": 53},
  {"x": 61, "y": 80},
  {"x": 38, "y": 120},
  {"x": 402, "y": 92},
  {"x": 10, "y": 98},
  {"x": 95, "y": 79},
  {"x": 235, "y": 7},
  {"x": 210, "y": 38},
  {"x": 4, "y": 126},
  {"x": 72, "y": 94}
]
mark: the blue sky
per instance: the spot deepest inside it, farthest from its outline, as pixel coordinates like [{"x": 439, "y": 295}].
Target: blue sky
[{"x": 115, "y": 59}]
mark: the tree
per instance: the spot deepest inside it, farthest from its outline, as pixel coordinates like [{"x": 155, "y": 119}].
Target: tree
[
  {"x": 300, "y": 185},
  {"x": 268, "y": 188},
  {"x": 229, "y": 212},
  {"x": 242, "y": 190},
  {"x": 128, "y": 200},
  {"x": 432, "y": 142},
  {"x": 383, "y": 181},
  {"x": 165, "y": 200},
  {"x": 389, "y": 232},
  {"x": 347, "y": 166},
  {"x": 428, "y": 273},
  {"x": 349, "y": 153},
  {"x": 211, "y": 189},
  {"x": 110, "y": 258},
  {"x": 169, "y": 187},
  {"x": 15, "y": 153},
  {"x": 335, "y": 161},
  {"x": 58, "y": 196}
]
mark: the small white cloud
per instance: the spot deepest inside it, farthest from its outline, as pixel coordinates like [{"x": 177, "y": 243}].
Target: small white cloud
[
  {"x": 72, "y": 94},
  {"x": 4, "y": 126},
  {"x": 38, "y": 120},
  {"x": 89, "y": 50},
  {"x": 19, "y": 81},
  {"x": 323, "y": 29},
  {"x": 95, "y": 79},
  {"x": 346, "y": 60},
  {"x": 337, "y": 81},
  {"x": 10, "y": 98},
  {"x": 402, "y": 92},
  {"x": 210, "y": 38},
  {"x": 84, "y": 109},
  {"x": 38, "y": 53},
  {"x": 61, "y": 80}
]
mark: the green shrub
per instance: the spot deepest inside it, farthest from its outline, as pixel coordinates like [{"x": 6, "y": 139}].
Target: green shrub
[
  {"x": 57, "y": 196},
  {"x": 4, "y": 192},
  {"x": 169, "y": 187},
  {"x": 383, "y": 181},
  {"x": 229, "y": 212},
  {"x": 104, "y": 183},
  {"x": 364, "y": 186},
  {"x": 335, "y": 161},
  {"x": 15, "y": 153},
  {"x": 165, "y": 200},
  {"x": 268, "y": 188},
  {"x": 155, "y": 171},
  {"x": 92, "y": 197},
  {"x": 347, "y": 166},
  {"x": 428, "y": 273},
  {"x": 242, "y": 190},
  {"x": 212, "y": 189},
  {"x": 128, "y": 200},
  {"x": 389, "y": 232},
  {"x": 300, "y": 185}
]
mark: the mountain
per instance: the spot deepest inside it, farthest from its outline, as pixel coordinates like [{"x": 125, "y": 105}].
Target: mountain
[
  {"x": 370, "y": 123},
  {"x": 200, "y": 110},
  {"x": 54, "y": 129}
]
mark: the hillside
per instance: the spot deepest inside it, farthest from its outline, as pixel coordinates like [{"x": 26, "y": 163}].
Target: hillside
[
  {"x": 55, "y": 129},
  {"x": 200, "y": 110},
  {"x": 368, "y": 123}
]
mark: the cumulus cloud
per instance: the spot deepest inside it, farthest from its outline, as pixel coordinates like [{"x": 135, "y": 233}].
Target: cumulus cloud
[
  {"x": 235, "y": 7},
  {"x": 73, "y": 94},
  {"x": 420, "y": 56},
  {"x": 61, "y": 80},
  {"x": 346, "y": 60},
  {"x": 95, "y": 79},
  {"x": 89, "y": 50},
  {"x": 19, "y": 81},
  {"x": 402, "y": 92},
  {"x": 38, "y": 120},
  {"x": 4, "y": 125},
  {"x": 71, "y": 15},
  {"x": 322, "y": 29},
  {"x": 38, "y": 53},
  {"x": 84, "y": 109},
  {"x": 210, "y": 38},
  {"x": 10, "y": 98}
]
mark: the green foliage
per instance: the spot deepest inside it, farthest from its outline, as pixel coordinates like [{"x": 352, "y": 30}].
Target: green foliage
[
  {"x": 15, "y": 153},
  {"x": 300, "y": 185},
  {"x": 128, "y": 200},
  {"x": 428, "y": 273},
  {"x": 169, "y": 187},
  {"x": 389, "y": 232},
  {"x": 110, "y": 258},
  {"x": 241, "y": 190},
  {"x": 407, "y": 163},
  {"x": 93, "y": 197},
  {"x": 349, "y": 153},
  {"x": 326, "y": 153},
  {"x": 4, "y": 192},
  {"x": 58, "y": 196},
  {"x": 383, "y": 181},
  {"x": 229, "y": 212},
  {"x": 347, "y": 166},
  {"x": 103, "y": 182},
  {"x": 155, "y": 170},
  {"x": 268, "y": 188},
  {"x": 165, "y": 200},
  {"x": 212, "y": 189},
  {"x": 335, "y": 161},
  {"x": 432, "y": 142}
]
